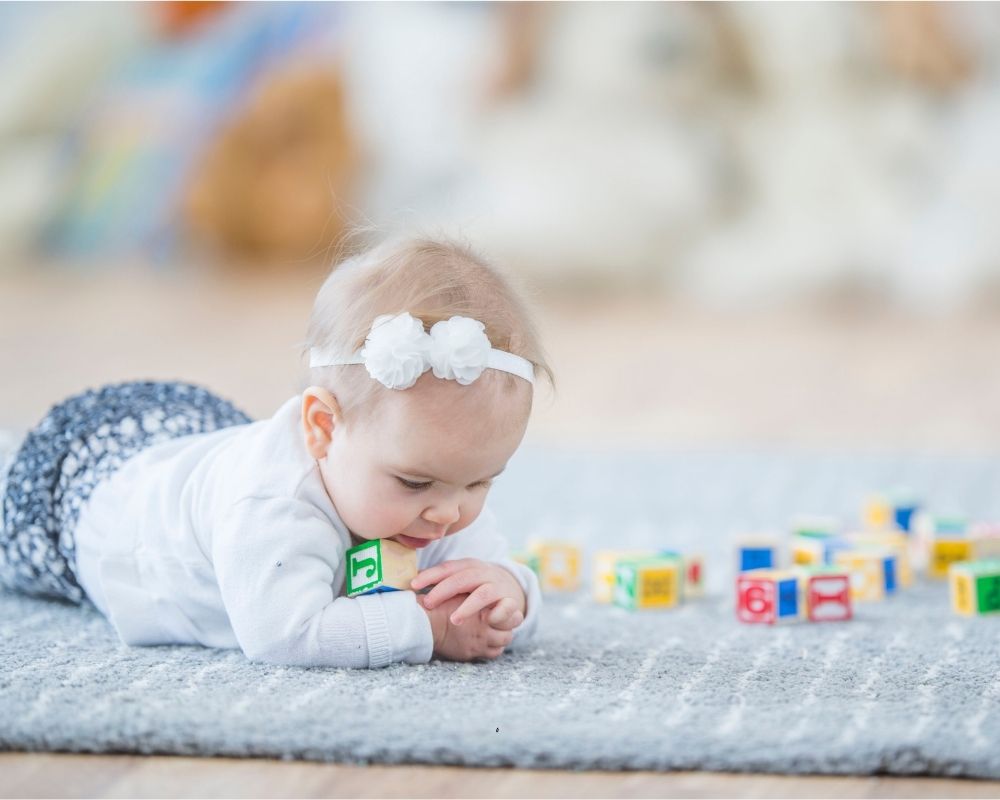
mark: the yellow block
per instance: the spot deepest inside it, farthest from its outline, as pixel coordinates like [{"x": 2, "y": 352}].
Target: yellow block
[
  {"x": 867, "y": 571},
  {"x": 945, "y": 552},
  {"x": 878, "y": 514},
  {"x": 657, "y": 586},
  {"x": 963, "y": 593},
  {"x": 558, "y": 565},
  {"x": 896, "y": 543}
]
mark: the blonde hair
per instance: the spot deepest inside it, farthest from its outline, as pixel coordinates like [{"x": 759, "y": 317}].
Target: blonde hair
[{"x": 433, "y": 280}]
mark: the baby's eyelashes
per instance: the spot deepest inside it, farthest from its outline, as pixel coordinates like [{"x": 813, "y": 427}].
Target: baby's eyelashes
[
  {"x": 418, "y": 486},
  {"x": 413, "y": 484}
]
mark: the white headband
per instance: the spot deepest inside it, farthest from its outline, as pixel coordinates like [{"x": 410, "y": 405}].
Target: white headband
[{"x": 398, "y": 351}]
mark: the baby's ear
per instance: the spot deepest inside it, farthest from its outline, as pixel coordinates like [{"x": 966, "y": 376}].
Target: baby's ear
[{"x": 320, "y": 416}]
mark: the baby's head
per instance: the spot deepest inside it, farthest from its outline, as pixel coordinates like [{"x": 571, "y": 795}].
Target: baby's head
[{"x": 415, "y": 463}]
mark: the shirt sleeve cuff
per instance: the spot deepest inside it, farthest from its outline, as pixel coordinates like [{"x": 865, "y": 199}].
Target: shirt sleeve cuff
[
  {"x": 526, "y": 577},
  {"x": 406, "y": 638}
]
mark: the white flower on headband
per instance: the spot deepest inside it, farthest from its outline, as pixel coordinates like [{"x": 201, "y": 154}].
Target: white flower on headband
[
  {"x": 398, "y": 351},
  {"x": 460, "y": 349},
  {"x": 395, "y": 352}
]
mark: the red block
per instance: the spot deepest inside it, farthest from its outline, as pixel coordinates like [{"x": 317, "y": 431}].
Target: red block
[
  {"x": 755, "y": 600},
  {"x": 828, "y": 598}
]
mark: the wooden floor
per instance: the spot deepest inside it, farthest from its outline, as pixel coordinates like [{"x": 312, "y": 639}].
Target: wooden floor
[
  {"x": 49, "y": 775},
  {"x": 635, "y": 372}
]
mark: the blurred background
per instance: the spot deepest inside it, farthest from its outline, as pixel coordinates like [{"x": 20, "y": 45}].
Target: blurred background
[{"x": 742, "y": 224}]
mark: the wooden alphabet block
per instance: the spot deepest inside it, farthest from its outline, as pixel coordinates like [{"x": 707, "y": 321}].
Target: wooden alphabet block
[
  {"x": 878, "y": 514},
  {"x": 827, "y": 592},
  {"x": 380, "y": 565},
  {"x": 558, "y": 564},
  {"x": 694, "y": 576},
  {"x": 758, "y": 552},
  {"x": 604, "y": 571},
  {"x": 872, "y": 573},
  {"x": 947, "y": 550},
  {"x": 647, "y": 583},
  {"x": 768, "y": 596},
  {"x": 975, "y": 587},
  {"x": 894, "y": 542}
]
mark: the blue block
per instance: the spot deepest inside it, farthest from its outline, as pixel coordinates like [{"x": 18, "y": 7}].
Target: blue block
[
  {"x": 890, "y": 575},
  {"x": 904, "y": 517},
  {"x": 788, "y": 598},
  {"x": 756, "y": 558}
]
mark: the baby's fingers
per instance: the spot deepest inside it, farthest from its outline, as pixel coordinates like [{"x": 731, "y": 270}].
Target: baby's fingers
[
  {"x": 499, "y": 638},
  {"x": 438, "y": 572},
  {"x": 505, "y": 615},
  {"x": 462, "y": 582},
  {"x": 485, "y": 595}
]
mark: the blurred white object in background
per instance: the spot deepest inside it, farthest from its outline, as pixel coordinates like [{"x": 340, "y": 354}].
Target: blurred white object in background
[{"x": 601, "y": 168}]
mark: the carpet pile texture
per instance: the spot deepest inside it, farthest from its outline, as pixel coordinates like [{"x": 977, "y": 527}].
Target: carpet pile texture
[{"x": 905, "y": 688}]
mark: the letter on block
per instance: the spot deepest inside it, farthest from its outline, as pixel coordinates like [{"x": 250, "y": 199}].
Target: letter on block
[
  {"x": 694, "y": 576},
  {"x": 948, "y": 551},
  {"x": 768, "y": 596},
  {"x": 652, "y": 582},
  {"x": 380, "y": 565},
  {"x": 975, "y": 587},
  {"x": 559, "y": 565},
  {"x": 828, "y": 596}
]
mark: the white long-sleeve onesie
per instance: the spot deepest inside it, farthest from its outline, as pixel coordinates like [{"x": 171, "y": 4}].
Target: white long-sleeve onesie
[{"x": 229, "y": 539}]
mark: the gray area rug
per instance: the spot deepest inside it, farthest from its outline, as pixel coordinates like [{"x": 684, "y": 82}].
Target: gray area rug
[{"x": 906, "y": 688}]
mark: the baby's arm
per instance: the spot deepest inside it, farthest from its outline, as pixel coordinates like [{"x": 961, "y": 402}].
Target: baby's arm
[
  {"x": 461, "y": 561},
  {"x": 279, "y": 564}
]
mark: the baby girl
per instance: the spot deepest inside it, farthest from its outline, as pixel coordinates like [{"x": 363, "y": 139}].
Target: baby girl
[{"x": 184, "y": 522}]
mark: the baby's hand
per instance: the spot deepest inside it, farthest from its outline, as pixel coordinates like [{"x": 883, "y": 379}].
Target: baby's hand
[
  {"x": 488, "y": 586},
  {"x": 476, "y": 639}
]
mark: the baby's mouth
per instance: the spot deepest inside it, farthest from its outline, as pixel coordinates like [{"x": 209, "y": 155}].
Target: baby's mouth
[{"x": 410, "y": 541}]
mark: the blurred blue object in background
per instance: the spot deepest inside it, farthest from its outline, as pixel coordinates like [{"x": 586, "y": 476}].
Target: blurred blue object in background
[{"x": 131, "y": 154}]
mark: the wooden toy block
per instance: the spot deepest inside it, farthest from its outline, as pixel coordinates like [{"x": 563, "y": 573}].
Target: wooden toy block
[
  {"x": 380, "y": 565},
  {"x": 558, "y": 564},
  {"x": 827, "y": 593},
  {"x": 647, "y": 583},
  {"x": 872, "y": 572},
  {"x": 604, "y": 571},
  {"x": 947, "y": 550},
  {"x": 878, "y": 513},
  {"x": 807, "y": 550},
  {"x": 975, "y": 587},
  {"x": 694, "y": 576},
  {"x": 768, "y": 596},
  {"x": 895, "y": 542},
  {"x": 759, "y": 552},
  {"x": 905, "y": 511},
  {"x": 816, "y": 550}
]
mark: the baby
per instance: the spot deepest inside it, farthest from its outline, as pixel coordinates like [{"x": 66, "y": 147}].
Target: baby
[{"x": 184, "y": 522}]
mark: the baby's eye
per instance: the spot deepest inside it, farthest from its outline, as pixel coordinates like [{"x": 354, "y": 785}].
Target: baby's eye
[{"x": 412, "y": 484}]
